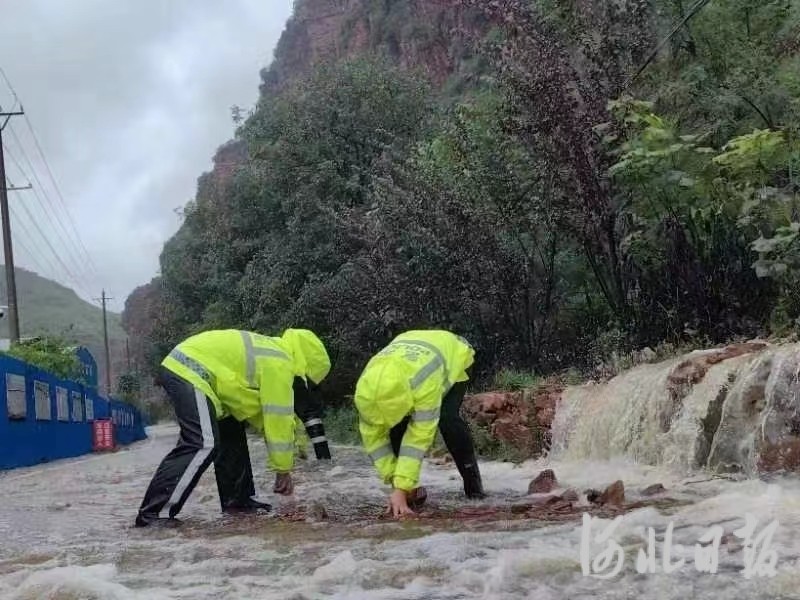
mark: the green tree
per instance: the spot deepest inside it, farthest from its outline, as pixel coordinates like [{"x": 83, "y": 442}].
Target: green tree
[
  {"x": 49, "y": 354},
  {"x": 129, "y": 387},
  {"x": 544, "y": 202}
]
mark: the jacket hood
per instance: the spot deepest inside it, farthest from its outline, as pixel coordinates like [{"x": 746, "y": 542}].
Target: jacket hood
[{"x": 310, "y": 357}]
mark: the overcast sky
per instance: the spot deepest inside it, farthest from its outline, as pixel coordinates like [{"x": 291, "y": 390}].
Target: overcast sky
[{"x": 129, "y": 100}]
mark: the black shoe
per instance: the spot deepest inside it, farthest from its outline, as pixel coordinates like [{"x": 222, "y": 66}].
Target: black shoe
[
  {"x": 154, "y": 521},
  {"x": 473, "y": 486},
  {"x": 246, "y": 506}
]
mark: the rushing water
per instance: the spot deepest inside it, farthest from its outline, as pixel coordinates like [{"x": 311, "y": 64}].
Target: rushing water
[
  {"x": 740, "y": 407},
  {"x": 66, "y": 528}
]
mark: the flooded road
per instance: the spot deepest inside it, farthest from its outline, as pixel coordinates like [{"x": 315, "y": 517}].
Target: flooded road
[{"x": 66, "y": 531}]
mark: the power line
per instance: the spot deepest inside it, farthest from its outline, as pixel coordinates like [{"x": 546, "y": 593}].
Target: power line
[
  {"x": 89, "y": 262},
  {"x": 49, "y": 270},
  {"x": 75, "y": 280},
  {"x": 32, "y": 256},
  {"x": 49, "y": 170},
  {"x": 69, "y": 245},
  {"x": 15, "y": 161},
  {"x": 60, "y": 196},
  {"x": 34, "y": 176},
  {"x": 10, "y": 87},
  {"x": 36, "y": 258},
  {"x": 71, "y": 276}
]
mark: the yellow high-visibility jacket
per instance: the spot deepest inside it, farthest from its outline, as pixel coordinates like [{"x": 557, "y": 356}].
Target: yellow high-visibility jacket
[
  {"x": 301, "y": 439},
  {"x": 410, "y": 376},
  {"x": 249, "y": 376}
]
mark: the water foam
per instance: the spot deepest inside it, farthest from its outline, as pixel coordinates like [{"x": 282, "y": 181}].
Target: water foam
[{"x": 89, "y": 551}]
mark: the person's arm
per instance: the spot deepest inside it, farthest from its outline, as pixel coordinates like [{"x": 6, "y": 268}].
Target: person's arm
[
  {"x": 418, "y": 439},
  {"x": 308, "y": 409},
  {"x": 277, "y": 407},
  {"x": 378, "y": 447}
]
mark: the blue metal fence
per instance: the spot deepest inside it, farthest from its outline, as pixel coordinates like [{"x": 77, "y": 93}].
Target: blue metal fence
[{"x": 44, "y": 418}]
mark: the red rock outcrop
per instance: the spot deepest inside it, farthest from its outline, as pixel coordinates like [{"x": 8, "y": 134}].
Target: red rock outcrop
[
  {"x": 693, "y": 369},
  {"x": 520, "y": 419},
  {"x": 427, "y": 38}
]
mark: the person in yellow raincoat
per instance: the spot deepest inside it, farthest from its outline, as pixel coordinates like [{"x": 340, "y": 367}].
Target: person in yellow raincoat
[
  {"x": 219, "y": 380},
  {"x": 408, "y": 390}
]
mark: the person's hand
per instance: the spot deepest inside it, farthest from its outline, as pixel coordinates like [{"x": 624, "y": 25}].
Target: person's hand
[
  {"x": 283, "y": 484},
  {"x": 398, "y": 505}
]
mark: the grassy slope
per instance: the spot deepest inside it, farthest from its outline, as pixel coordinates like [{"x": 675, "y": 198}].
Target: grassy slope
[{"x": 47, "y": 307}]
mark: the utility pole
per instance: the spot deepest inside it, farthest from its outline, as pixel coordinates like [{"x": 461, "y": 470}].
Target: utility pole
[
  {"x": 8, "y": 251},
  {"x": 105, "y": 341}
]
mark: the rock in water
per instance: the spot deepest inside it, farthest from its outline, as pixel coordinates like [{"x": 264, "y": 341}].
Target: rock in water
[
  {"x": 652, "y": 490},
  {"x": 570, "y": 496},
  {"x": 592, "y": 496},
  {"x": 417, "y": 497},
  {"x": 614, "y": 495},
  {"x": 693, "y": 369},
  {"x": 544, "y": 483},
  {"x": 317, "y": 512}
]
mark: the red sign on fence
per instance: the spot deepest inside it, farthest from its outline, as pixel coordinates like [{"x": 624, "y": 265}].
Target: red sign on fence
[{"x": 103, "y": 435}]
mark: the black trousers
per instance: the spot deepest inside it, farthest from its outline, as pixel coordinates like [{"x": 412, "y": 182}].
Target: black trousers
[
  {"x": 202, "y": 440},
  {"x": 454, "y": 430}
]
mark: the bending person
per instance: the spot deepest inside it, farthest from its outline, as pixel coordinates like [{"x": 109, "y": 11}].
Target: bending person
[
  {"x": 217, "y": 380},
  {"x": 414, "y": 385}
]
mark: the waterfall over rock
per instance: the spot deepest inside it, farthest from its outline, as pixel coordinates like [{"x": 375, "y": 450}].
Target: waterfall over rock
[{"x": 731, "y": 410}]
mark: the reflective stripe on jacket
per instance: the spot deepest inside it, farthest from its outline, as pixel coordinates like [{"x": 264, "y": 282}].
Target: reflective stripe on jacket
[
  {"x": 248, "y": 376},
  {"x": 409, "y": 377}
]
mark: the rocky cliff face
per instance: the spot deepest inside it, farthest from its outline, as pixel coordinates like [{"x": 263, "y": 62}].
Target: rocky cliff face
[
  {"x": 432, "y": 36},
  {"x": 422, "y": 34},
  {"x": 139, "y": 318}
]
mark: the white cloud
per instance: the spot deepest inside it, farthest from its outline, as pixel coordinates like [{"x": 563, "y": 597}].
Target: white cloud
[{"x": 129, "y": 100}]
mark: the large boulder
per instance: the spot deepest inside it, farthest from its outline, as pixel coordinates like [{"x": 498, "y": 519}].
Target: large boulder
[{"x": 544, "y": 483}]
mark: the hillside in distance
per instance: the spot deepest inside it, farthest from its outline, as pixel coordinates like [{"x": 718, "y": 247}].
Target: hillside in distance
[{"x": 49, "y": 308}]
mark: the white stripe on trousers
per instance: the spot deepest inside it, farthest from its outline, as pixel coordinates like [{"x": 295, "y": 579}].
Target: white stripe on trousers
[{"x": 199, "y": 458}]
